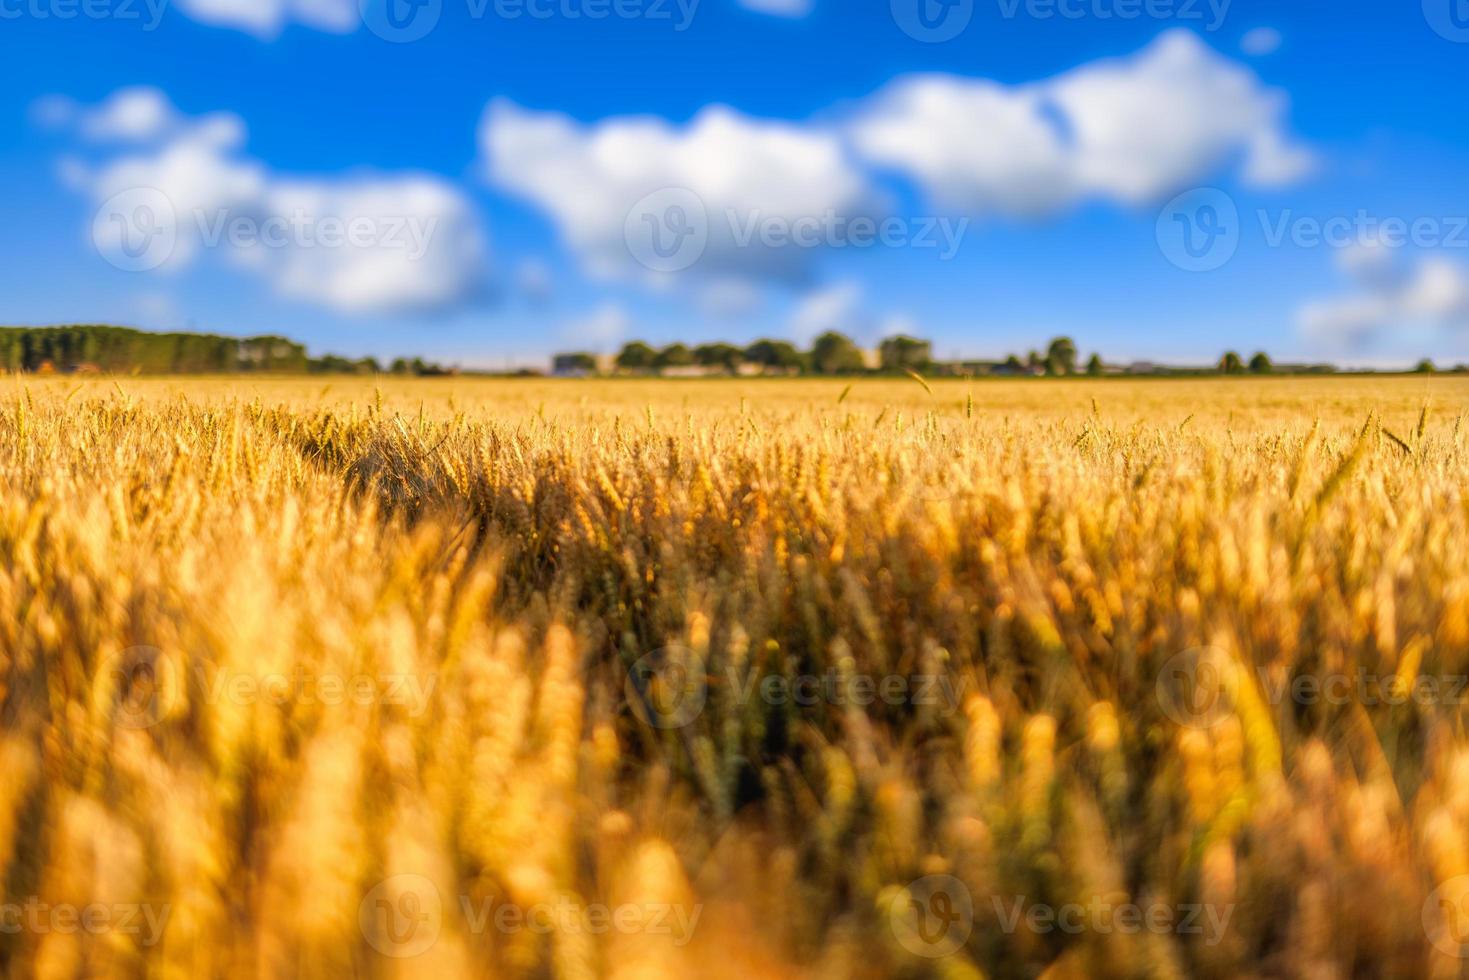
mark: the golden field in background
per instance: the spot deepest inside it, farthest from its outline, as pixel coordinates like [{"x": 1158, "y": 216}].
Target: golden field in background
[{"x": 462, "y": 678}]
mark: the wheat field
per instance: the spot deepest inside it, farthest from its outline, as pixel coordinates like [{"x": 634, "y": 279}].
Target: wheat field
[{"x": 521, "y": 679}]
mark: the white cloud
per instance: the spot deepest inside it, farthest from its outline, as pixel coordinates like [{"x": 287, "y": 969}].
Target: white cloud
[
  {"x": 591, "y": 179},
  {"x": 728, "y": 298},
  {"x": 534, "y": 280},
  {"x": 843, "y": 307},
  {"x": 357, "y": 244},
  {"x": 1432, "y": 298},
  {"x": 266, "y": 18},
  {"x": 1129, "y": 130},
  {"x": 833, "y": 308},
  {"x": 601, "y": 330},
  {"x": 136, "y": 115},
  {"x": 140, "y": 115},
  {"x": 781, "y": 8},
  {"x": 1261, "y": 41}
]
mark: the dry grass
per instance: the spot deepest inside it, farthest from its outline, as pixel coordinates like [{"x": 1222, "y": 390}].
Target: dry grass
[{"x": 310, "y": 680}]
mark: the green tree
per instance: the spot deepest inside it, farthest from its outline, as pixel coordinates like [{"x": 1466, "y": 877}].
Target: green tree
[
  {"x": 1260, "y": 364},
  {"x": 674, "y": 355},
  {"x": 903, "y": 353},
  {"x": 1061, "y": 356},
  {"x": 835, "y": 353},
  {"x": 1231, "y": 363},
  {"x": 637, "y": 356},
  {"x": 725, "y": 356},
  {"x": 1425, "y": 366},
  {"x": 775, "y": 354},
  {"x": 1094, "y": 366},
  {"x": 576, "y": 362}
]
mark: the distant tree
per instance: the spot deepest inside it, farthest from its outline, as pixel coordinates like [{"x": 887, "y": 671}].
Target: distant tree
[
  {"x": 1061, "y": 356},
  {"x": 1013, "y": 364},
  {"x": 674, "y": 355},
  {"x": 1260, "y": 364},
  {"x": 1425, "y": 366},
  {"x": 1033, "y": 360},
  {"x": 1231, "y": 363},
  {"x": 775, "y": 354},
  {"x": 400, "y": 366},
  {"x": 636, "y": 356},
  {"x": 1094, "y": 366},
  {"x": 725, "y": 356},
  {"x": 903, "y": 353},
  {"x": 834, "y": 353},
  {"x": 576, "y": 362}
]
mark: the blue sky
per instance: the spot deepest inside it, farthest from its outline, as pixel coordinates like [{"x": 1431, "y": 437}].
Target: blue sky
[{"x": 1034, "y": 173}]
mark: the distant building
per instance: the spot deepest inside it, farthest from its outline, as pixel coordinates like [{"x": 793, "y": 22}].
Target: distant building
[
  {"x": 582, "y": 365},
  {"x": 693, "y": 371}
]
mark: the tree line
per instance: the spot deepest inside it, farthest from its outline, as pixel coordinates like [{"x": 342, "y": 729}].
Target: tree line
[
  {"x": 831, "y": 353},
  {"x": 107, "y": 349}
]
